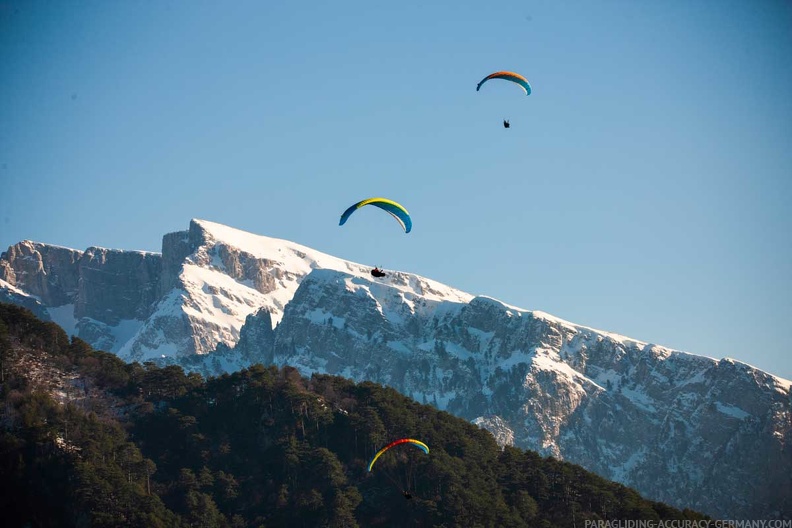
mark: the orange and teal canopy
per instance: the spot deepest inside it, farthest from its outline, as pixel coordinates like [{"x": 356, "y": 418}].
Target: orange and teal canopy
[{"x": 508, "y": 76}]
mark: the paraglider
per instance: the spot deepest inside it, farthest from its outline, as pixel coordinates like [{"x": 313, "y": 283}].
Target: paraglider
[
  {"x": 404, "y": 483},
  {"x": 416, "y": 443},
  {"x": 396, "y": 210},
  {"x": 508, "y": 76}
]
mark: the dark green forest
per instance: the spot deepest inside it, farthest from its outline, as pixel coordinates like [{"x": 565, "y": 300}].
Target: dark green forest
[{"x": 88, "y": 440}]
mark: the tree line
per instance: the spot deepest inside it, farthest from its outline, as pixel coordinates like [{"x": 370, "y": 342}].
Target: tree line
[{"x": 142, "y": 445}]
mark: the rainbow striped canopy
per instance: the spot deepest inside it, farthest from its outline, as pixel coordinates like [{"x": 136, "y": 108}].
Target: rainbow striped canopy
[{"x": 416, "y": 443}]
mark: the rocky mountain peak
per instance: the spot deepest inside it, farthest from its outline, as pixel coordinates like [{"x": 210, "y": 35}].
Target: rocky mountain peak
[{"x": 685, "y": 429}]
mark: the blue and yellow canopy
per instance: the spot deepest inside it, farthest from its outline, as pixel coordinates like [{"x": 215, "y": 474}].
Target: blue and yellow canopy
[{"x": 396, "y": 210}]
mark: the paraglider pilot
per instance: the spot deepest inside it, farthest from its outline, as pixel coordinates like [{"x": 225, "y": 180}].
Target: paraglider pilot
[
  {"x": 407, "y": 494},
  {"x": 377, "y": 272},
  {"x": 506, "y": 123}
]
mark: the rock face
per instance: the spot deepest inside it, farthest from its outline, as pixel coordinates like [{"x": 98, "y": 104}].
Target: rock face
[
  {"x": 212, "y": 279},
  {"x": 47, "y": 272},
  {"x": 691, "y": 431},
  {"x": 116, "y": 285},
  {"x": 176, "y": 247},
  {"x": 99, "y": 288}
]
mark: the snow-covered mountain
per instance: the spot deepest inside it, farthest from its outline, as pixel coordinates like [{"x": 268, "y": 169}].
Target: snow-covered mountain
[{"x": 713, "y": 435}]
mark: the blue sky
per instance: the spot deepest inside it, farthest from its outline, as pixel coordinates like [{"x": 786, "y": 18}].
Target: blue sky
[{"x": 643, "y": 188}]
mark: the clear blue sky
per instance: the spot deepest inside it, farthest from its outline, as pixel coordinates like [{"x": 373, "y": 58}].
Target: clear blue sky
[{"x": 644, "y": 187}]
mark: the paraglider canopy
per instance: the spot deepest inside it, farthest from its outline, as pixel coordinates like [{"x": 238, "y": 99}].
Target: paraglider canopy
[
  {"x": 395, "y": 209},
  {"x": 508, "y": 76},
  {"x": 399, "y": 465},
  {"x": 416, "y": 443}
]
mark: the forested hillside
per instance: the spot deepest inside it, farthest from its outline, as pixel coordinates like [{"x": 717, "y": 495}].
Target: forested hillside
[{"x": 88, "y": 440}]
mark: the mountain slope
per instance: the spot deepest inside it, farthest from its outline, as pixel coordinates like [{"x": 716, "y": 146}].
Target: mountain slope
[
  {"x": 685, "y": 429},
  {"x": 260, "y": 447},
  {"x": 689, "y": 430}
]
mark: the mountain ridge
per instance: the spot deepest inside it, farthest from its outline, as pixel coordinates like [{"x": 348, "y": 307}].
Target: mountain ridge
[
  {"x": 661, "y": 420},
  {"x": 89, "y": 439}
]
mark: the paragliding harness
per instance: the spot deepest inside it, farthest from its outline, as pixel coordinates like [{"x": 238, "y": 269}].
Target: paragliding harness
[
  {"x": 407, "y": 494},
  {"x": 506, "y": 123},
  {"x": 378, "y": 272}
]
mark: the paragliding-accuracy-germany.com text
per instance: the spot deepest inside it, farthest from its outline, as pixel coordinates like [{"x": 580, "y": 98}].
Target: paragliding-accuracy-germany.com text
[{"x": 625, "y": 523}]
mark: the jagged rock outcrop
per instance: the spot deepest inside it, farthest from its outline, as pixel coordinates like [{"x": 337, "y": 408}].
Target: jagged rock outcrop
[
  {"x": 255, "y": 345},
  {"x": 256, "y": 339},
  {"x": 48, "y": 272}
]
